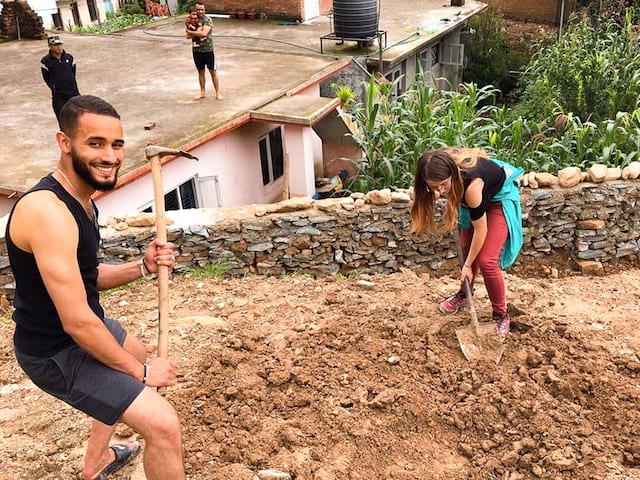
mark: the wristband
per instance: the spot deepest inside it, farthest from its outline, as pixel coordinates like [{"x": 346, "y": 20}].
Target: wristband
[
  {"x": 145, "y": 374},
  {"x": 142, "y": 268}
]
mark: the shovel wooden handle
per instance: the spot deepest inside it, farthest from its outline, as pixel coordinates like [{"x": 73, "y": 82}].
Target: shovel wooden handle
[
  {"x": 163, "y": 270},
  {"x": 467, "y": 288}
]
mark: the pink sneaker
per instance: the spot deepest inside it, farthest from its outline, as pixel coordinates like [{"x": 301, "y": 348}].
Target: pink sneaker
[
  {"x": 503, "y": 322},
  {"x": 453, "y": 303}
]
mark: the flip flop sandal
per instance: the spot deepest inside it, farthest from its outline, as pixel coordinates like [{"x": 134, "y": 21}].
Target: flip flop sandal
[{"x": 124, "y": 454}]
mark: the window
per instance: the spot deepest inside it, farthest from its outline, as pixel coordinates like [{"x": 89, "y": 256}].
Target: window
[
  {"x": 271, "y": 156},
  {"x": 394, "y": 78},
  {"x": 427, "y": 59},
  {"x": 181, "y": 198},
  {"x": 435, "y": 54},
  {"x": 452, "y": 54}
]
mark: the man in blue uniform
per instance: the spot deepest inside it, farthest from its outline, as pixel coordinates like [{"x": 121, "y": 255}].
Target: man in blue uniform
[{"x": 59, "y": 73}]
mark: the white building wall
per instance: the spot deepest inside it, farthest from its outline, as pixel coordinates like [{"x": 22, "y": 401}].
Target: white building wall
[
  {"x": 299, "y": 142},
  {"x": 45, "y": 8},
  {"x": 235, "y": 159}
]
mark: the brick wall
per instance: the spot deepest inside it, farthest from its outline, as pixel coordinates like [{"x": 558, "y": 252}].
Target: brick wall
[
  {"x": 544, "y": 11},
  {"x": 18, "y": 17},
  {"x": 288, "y": 9}
]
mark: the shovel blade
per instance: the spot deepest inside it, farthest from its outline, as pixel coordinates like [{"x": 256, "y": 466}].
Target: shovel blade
[{"x": 483, "y": 344}]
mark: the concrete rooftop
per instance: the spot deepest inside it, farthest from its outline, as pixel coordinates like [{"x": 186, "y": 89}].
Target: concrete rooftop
[{"x": 148, "y": 75}]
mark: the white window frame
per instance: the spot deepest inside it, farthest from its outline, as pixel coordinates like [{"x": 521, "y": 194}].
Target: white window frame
[
  {"x": 452, "y": 54},
  {"x": 203, "y": 191},
  {"x": 196, "y": 196}
]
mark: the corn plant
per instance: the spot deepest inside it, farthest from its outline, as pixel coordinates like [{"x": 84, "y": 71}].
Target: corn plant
[
  {"x": 394, "y": 133},
  {"x": 592, "y": 72}
]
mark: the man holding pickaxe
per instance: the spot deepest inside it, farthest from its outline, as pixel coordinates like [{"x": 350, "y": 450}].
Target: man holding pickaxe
[{"x": 63, "y": 340}]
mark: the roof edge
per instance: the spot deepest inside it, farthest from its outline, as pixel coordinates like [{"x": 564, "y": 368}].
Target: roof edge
[
  {"x": 146, "y": 168},
  {"x": 320, "y": 76}
]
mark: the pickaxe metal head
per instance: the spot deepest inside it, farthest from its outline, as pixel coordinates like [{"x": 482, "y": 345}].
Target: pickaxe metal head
[{"x": 157, "y": 151}]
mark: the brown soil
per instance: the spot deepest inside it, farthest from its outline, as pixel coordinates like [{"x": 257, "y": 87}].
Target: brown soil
[
  {"x": 362, "y": 378},
  {"x": 523, "y": 35}
]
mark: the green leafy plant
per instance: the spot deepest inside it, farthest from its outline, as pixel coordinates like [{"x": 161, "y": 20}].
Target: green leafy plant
[
  {"x": 604, "y": 10},
  {"x": 215, "y": 270},
  {"x": 185, "y": 5},
  {"x": 591, "y": 72},
  {"x": 132, "y": 7},
  {"x": 114, "y": 24},
  {"x": 345, "y": 94},
  {"x": 395, "y": 132},
  {"x": 490, "y": 60}
]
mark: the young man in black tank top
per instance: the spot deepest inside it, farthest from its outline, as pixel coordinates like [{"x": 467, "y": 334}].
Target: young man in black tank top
[{"x": 62, "y": 340}]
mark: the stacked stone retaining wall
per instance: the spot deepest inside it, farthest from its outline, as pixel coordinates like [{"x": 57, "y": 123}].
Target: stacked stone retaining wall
[{"x": 591, "y": 222}]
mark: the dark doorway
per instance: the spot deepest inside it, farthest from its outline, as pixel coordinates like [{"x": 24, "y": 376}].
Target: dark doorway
[
  {"x": 57, "y": 20},
  {"x": 93, "y": 11},
  {"x": 76, "y": 14}
]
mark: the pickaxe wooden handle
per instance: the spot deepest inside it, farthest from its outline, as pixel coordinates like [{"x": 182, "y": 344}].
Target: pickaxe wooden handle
[{"x": 154, "y": 154}]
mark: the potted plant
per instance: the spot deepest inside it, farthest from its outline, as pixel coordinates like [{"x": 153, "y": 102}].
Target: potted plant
[
  {"x": 251, "y": 14},
  {"x": 241, "y": 14},
  {"x": 233, "y": 14}
]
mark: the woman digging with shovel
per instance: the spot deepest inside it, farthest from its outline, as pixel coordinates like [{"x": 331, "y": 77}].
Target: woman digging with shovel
[{"x": 483, "y": 201}]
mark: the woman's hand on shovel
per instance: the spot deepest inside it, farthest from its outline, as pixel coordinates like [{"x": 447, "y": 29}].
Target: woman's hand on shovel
[
  {"x": 159, "y": 253},
  {"x": 466, "y": 273},
  {"x": 161, "y": 372}
]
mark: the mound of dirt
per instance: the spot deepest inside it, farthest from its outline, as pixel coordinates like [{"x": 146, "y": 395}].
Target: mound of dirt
[{"x": 362, "y": 378}]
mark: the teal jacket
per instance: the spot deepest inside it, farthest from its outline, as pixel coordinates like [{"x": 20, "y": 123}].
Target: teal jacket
[{"x": 509, "y": 195}]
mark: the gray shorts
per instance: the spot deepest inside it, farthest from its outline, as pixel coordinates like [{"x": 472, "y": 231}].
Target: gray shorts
[{"x": 78, "y": 379}]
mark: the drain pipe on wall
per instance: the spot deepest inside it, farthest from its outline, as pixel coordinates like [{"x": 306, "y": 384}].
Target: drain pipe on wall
[{"x": 561, "y": 19}]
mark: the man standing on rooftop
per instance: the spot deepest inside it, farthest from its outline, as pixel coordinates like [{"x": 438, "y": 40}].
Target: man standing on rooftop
[
  {"x": 59, "y": 73},
  {"x": 203, "y": 55}
]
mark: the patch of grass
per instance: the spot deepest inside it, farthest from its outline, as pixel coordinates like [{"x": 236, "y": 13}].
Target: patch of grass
[
  {"x": 215, "y": 270},
  {"x": 115, "y": 23},
  {"x": 352, "y": 275},
  {"x": 127, "y": 286},
  {"x": 295, "y": 274}
]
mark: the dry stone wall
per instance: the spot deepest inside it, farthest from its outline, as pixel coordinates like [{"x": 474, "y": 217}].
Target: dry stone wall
[{"x": 593, "y": 222}]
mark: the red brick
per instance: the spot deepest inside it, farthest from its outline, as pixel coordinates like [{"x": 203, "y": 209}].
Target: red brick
[{"x": 544, "y": 11}]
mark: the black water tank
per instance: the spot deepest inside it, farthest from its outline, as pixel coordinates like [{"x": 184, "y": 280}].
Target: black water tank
[{"x": 355, "y": 18}]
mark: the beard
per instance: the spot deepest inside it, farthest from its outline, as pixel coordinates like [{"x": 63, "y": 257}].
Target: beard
[{"x": 83, "y": 170}]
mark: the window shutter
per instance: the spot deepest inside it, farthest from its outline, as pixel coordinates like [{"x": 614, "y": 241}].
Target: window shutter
[{"x": 452, "y": 54}]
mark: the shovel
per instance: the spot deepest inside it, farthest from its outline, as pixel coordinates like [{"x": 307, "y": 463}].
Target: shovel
[
  {"x": 154, "y": 153},
  {"x": 478, "y": 341}
]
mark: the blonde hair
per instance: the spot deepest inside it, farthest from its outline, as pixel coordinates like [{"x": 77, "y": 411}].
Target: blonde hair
[{"x": 466, "y": 158}]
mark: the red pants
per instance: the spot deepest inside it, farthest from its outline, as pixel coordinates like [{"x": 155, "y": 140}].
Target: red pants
[{"x": 488, "y": 260}]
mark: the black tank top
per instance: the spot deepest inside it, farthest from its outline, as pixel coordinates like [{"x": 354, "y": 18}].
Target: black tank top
[
  {"x": 493, "y": 176},
  {"x": 39, "y": 331}
]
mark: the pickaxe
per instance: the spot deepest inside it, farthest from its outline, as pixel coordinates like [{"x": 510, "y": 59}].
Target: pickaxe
[{"x": 154, "y": 153}]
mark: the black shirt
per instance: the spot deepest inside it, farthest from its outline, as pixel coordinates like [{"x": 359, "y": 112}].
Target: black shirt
[
  {"x": 60, "y": 74},
  {"x": 39, "y": 331},
  {"x": 493, "y": 176}
]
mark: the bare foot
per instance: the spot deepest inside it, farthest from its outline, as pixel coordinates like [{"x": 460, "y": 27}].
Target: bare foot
[
  {"x": 219, "y": 96},
  {"x": 202, "y": 95}
]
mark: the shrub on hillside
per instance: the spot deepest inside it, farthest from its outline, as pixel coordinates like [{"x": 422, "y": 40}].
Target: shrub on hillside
[{"x": 592, "y": 71}]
